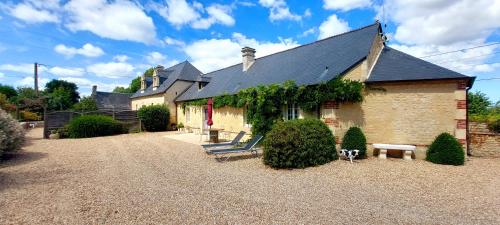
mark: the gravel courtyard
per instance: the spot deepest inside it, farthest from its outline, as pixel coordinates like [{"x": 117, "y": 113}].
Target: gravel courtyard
[{"x": 149, "y": 178}]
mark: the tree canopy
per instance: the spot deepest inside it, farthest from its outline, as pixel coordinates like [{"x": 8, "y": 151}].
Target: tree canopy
[
  {"x": 478, "y": 103},
  {"x": 135, "y": 84},
  {"x": 8, "y": 91}
]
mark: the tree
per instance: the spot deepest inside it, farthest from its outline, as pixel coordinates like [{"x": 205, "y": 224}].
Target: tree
[
  {"x": 121, "y": 90},
  {"x": 86, "y": 104},
  {"x": 8, "y": 91},
  {"x": 135, "y": 84},
  {"x": 28, "y": 100},
  {"x": 478, "y": 103},
  {"x": 60, "y": 99},
  {"x": 69, "y": 87}
]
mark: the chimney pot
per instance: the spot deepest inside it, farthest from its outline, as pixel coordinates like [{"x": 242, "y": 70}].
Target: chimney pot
[{"x": 248, "y": 55}]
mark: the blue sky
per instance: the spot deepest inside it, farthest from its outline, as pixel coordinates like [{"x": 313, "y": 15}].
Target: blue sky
[{"x": 109, "y": 42}]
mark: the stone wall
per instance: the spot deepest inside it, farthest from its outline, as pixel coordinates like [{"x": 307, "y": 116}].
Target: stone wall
[{"x": 484, "y": 143}]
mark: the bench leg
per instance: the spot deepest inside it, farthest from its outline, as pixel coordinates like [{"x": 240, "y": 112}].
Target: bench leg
[
  {"x": 382, "y": 154},
  {"x": 407, "y": 155}
]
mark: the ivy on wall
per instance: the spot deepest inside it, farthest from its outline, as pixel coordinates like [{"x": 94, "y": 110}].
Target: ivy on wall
[{"x": 264, "y": 103}]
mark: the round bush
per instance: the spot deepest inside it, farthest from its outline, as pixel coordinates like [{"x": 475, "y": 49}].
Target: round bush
[
  {"x": 154, "y": 117},
  {"x": 299, "y": 144},
  {"x": 446, "y": 150},
  {"x": 93, "y": 126},
  {"x": 355, "y": 139},
  {"x": 11, "y": 133}
]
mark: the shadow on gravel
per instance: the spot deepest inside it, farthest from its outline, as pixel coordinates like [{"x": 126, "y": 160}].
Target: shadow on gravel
[
  {"x": 14, "y": 180},
  {"x": 237, "y": 158},
  {"x": 19, "y": 158}
]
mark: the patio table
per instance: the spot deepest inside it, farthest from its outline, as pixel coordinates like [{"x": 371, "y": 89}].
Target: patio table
[{"x": 214, "y": 134}]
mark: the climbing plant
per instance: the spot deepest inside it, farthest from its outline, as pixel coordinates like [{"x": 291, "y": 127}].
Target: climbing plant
[{"x": 264, "y": 103}]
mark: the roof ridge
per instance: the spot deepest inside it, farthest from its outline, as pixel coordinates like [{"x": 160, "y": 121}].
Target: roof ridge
[{"x": 314, "y": 42}]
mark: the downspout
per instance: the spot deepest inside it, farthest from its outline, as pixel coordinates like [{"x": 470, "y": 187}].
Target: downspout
[{"x": 467, "y": 135}]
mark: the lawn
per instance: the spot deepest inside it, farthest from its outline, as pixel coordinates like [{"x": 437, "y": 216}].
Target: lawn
[{"x": 150, "y": 178}]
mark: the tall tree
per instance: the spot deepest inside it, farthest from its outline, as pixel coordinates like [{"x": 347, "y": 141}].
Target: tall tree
[
  {"x": 61, "y": 94},
  {"x": 478, "y": 103}
]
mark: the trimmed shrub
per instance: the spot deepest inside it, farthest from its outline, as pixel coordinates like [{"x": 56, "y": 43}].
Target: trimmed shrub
[
  {"x": 93, "y": 126},
  {"x": 446, "y": 150},
  {"x": 355, "y": 139},
  {"x": 11, "y": 133},
  {"x": 299, "y": 144},
  {"x": 154, "y": 117}
]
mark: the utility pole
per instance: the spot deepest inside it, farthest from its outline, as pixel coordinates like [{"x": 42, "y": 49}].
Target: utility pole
[{"x": 36, "y": 78}]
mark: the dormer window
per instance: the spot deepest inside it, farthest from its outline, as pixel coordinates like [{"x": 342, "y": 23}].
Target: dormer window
[{"x": 201, "y": 85}]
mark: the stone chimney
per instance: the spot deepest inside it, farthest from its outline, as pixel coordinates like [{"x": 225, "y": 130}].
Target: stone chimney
[
  {"x": 248, "y": 57},
  {"x": 94, "y": 90},
  {"x": 143, "y": 83}
]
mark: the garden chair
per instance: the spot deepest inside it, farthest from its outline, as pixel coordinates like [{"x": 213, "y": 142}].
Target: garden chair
[
  {"x": 249, "y": 147},
  {"x": 234, "y": 142}
]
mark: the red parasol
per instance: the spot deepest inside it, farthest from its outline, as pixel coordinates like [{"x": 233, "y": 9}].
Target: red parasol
[{"x": 209, "y": 119}]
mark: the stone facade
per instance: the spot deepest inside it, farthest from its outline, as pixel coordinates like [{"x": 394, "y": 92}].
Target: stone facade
[
  {"x": 166, "y": 98},
  {"x": 484, "y": 143}
]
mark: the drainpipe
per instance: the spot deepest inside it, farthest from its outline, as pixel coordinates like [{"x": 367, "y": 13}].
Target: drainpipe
[{"x": 467, "y": 135}]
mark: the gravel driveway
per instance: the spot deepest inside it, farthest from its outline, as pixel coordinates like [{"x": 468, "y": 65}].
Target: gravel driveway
[{"x": 150, "y": 179}]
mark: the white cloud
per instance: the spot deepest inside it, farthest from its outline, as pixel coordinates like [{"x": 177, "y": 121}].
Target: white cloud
[
  {"x": 278, "y": 10},
  {"x": 467, "y": 62},
  {"x": 442, "y": 22},
  {"x": 332, "y": 26},
  {"x": 112, "y": 69},
  {"x": 118, "y": 20},
  {"x": 308, "y": 32},
  {"x": 87, "y": 50},
  {"x": 2, "y": 75},
  {"x": 180, "y": 13},
  {"x": 20, "y": 68},
  {"x": 207, "y": 56},
  {"x": 121, "y": 58},
  {"x": 33, "y": 11},
  {"x": 156, "y": 58},
  {"x": 67, "y": 71},
  {"x": 86, "y": 84},
  {"x": 345, "y": 5},
  {"x": 30, "y": 81},
  {"x": 172, "y": 41}
]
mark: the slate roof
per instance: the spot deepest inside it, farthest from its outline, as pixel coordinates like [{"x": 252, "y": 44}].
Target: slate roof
[
  {"x": 312, "y": 63},
  {"x": 182, "y": 71},
  {"x": 394, "y": 65},
  {"x": 109, "y": 100}
]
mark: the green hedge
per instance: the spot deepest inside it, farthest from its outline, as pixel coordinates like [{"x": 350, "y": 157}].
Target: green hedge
[
  {"x": 94, "y": 126},
  {"x": 299, "y": 144},
  {"x": 154, "y": 117},
  {"x": 355, "y": 139},
  {"x": 446, "y": 150},
  {"x": 11, "y": 133}
]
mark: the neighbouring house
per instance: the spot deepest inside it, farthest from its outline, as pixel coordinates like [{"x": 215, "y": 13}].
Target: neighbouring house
[
  {"x": 110, "y": 100},
  {"x": 406, "y": 100},
  {"x": 165, "y": 86}
]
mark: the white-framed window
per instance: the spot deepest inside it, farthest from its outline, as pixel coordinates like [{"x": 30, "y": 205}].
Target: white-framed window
[
  {"x": 188, "y": 114},
  {"x": 291, "y": 112}
]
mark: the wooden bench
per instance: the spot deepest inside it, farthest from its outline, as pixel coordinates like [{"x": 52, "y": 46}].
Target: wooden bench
[{"x": 408, "y": 150}]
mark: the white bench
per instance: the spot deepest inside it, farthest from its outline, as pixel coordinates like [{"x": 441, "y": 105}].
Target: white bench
[{"x": 408, "y": 149}]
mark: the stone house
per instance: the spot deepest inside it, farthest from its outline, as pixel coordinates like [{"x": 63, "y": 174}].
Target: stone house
[
  {"x": 406, "y": 100},
  {"x": 164, "y": 86}
]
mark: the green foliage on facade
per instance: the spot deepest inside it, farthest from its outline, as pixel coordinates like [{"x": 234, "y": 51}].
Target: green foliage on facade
[
  {"x": 299, "y": 144},
  {"x": 94, "y": 126},
  {"x": 154, "y": 117},
  {"x": 264, "y": 103},
  {"x": 446, "y": 149},
  {"x": 355, "y": 139}
]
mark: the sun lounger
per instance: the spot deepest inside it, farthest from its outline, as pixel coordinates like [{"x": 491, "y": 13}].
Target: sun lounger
[
  {"x": 249, "y": 147},
  {"x": 234, "y": 142}
]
